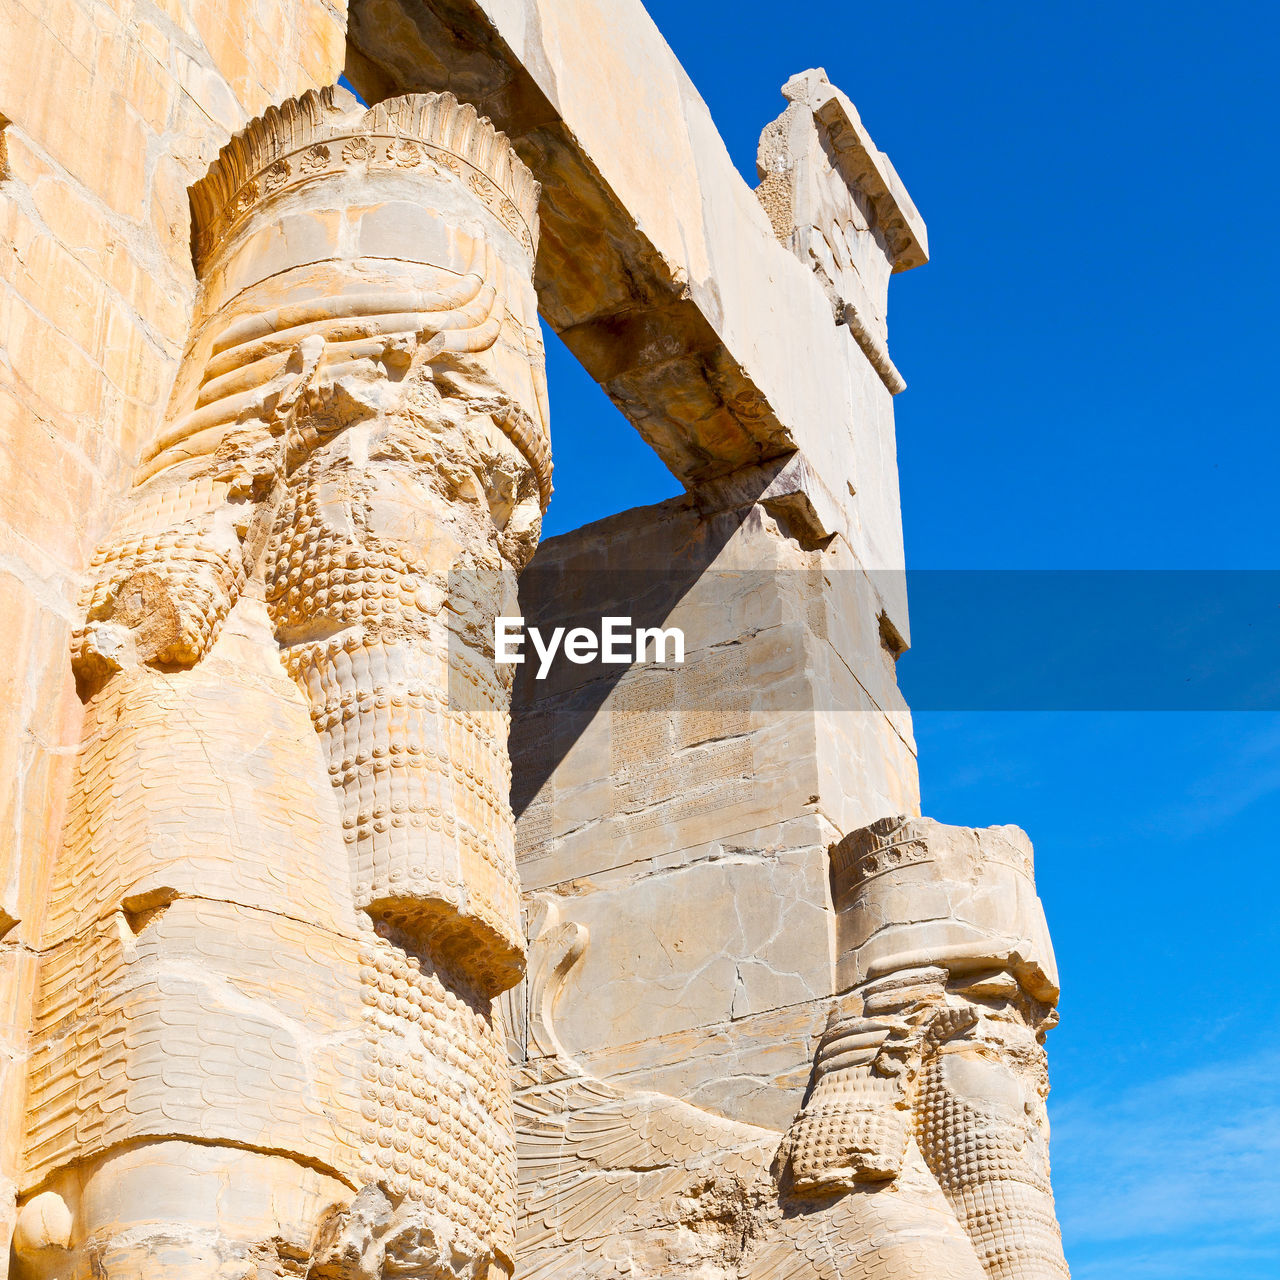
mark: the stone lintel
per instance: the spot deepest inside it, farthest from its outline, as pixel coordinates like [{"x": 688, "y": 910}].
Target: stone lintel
[{"x": 657, "y": 265}]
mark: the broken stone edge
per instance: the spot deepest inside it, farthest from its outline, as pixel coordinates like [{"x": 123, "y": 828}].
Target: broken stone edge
[{"x": 864, "y": 166}]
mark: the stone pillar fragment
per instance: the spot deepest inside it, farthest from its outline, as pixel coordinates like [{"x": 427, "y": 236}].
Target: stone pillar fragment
[{"x": 836, "y": 201}]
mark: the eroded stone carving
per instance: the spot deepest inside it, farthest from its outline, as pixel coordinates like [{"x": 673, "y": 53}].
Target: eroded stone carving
[
  {"x": 287, "y": 896},
  {"x": 836, "y": 201},
  {"x": 616, "y": 1181},
  {"x": 939, "y": 1042},
  {"x": 921, "y": 1149}
]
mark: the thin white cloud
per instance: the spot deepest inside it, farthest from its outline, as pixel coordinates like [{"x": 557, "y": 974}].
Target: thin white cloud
[
  {"x": 1173, "y": 1174},
  {"x": 1248, "y": 772},
  {"x": 1175, "y": 1262}
]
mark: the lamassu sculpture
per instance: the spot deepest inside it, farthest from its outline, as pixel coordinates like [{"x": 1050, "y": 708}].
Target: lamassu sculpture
[
  {"x": 286, "y": 902},
  {"x": 922, "y": 1146}
]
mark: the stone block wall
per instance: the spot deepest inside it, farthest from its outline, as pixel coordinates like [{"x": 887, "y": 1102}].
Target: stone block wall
[{"x": 684, "y": 810}]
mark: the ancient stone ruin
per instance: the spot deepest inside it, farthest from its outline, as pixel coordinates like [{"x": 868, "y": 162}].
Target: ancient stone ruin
[{"x": 332, "y": 943}]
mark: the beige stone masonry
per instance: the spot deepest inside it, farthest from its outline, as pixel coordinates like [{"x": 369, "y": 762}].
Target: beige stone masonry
[
  {"x": 324, "y": 956},
  {"x": 286, "y": 893}
]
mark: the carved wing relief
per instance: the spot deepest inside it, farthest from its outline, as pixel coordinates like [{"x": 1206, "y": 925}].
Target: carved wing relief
[{"x": 619, "y": 1182}]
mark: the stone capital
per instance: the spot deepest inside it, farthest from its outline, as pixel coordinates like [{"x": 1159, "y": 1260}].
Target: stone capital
[{"x": 326, "y": 132}]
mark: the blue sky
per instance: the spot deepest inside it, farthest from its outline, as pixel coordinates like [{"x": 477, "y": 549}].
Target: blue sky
[{"x": 1090, "y": 360}]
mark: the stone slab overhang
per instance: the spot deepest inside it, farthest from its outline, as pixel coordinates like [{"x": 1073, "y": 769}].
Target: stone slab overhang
[{"x": 658, "y": 267}]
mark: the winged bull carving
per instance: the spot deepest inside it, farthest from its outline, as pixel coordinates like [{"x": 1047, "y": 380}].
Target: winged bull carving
[{"x": 622, "y": 1182}]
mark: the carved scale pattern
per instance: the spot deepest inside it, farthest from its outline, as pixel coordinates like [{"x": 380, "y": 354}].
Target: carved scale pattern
[
  {"x": 436, "y": 1107},
  {"x": 1002, "y": 1196},
  {"x": 168, "y": 544},
  {"x": 857, "y": 1122},
  {"x": 417, "y": 764}
]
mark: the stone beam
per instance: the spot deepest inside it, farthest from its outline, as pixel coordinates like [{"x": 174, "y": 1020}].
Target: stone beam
[{"x": 658, "y": 266}]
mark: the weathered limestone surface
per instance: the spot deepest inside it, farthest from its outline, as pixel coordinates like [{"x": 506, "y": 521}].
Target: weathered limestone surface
[
  {"x": 719, "y": 346},
  {"x": 108, "y": 113},
  {"x": 839, "y": 204},
  {"x": 921, "y": 1147},
  {"x": 698, "y": 856},
  {"x": 276, "y": 448},
  {"x": 836, "y": 1064},
  {"x": 286, "y": 894}
]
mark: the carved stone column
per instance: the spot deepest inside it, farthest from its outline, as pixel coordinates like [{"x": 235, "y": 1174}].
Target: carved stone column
[{"x": 297, "y": 976}]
